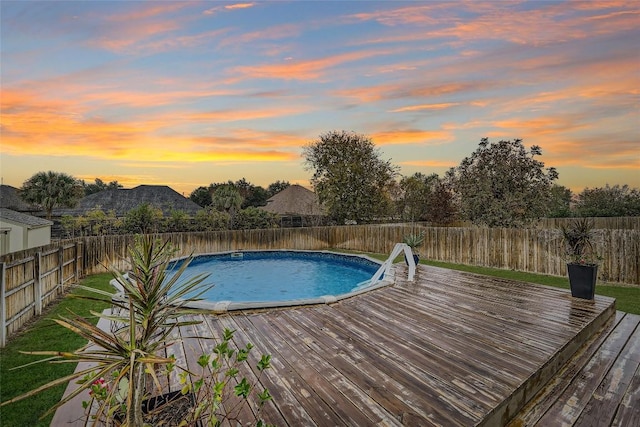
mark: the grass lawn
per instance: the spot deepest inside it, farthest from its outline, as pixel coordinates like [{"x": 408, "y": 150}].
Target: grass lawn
[{"x": 44, "y": 334}]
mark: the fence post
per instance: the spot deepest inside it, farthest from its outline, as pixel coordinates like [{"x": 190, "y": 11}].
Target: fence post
[
  {"x": 37, "y": 282},
  {"x": 3, "y": 305},
  {"x": 61, "y": 268},
  {"x": 76, "y": 262}
]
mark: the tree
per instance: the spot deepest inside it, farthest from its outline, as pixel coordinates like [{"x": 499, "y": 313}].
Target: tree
[
  {"x": 254, "y": 218},
  {"x": 100, "y": 186},
  {"x": 256, "y": 197},
  {"x": 414, "y": 201},
  {"x": 143, "y": 219},
  {"x": 560, "y": 203},
  {"x": 226, "y": 198},
  {"x": 609, "y": 201},
  {"x": 349, "y": 177},
  {"x": 178, "y": 220},
  {"x": 201, "y": 196},
  {"x": 209, "y": 219},
  {"x": 502, "y": 184},
  {"x": 50, "y": 190},
  {"x": 441, "y": 205},
  {"x": 276, "y": 187}
]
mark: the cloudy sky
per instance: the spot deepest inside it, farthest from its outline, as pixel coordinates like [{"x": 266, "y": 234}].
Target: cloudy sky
[{"x": 187, "y": 93}]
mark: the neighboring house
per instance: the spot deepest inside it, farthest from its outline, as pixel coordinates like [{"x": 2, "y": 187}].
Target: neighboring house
[
  {"x": 296, "y": 206},
  {"x": 19, "y": 231},
  {"x": 123, "y": 200},
  {"x": 10, "y": 199}
]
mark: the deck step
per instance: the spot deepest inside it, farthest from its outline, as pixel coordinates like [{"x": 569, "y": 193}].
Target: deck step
[{"x": 595, "y": 386}]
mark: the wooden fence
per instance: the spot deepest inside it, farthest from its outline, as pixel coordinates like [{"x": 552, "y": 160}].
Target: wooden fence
[
  {"x": 533, "y": 250},
  {"x": 615, "y": 222},
  {"x": 32, "y": 279},
  {"x": 30, "y": 283}
]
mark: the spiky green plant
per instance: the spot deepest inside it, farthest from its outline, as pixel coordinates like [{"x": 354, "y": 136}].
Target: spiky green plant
[{"x": 152, "y": 305}]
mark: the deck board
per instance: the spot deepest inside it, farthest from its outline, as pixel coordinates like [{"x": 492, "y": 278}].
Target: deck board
[
  {"x": 600, "y": 386},
  {"x": 450, "y": 348}
]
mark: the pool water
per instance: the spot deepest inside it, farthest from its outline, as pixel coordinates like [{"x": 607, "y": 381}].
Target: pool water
[{"x": 280, "y": 275}]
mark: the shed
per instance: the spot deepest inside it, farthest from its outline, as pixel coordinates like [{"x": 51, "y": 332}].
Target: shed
[
  {"x": 19, "y": 231},
  {"x": 296, "y": 206}
]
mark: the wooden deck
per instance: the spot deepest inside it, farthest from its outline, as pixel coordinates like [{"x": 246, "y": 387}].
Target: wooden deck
[{"x": 450, "y": 348}]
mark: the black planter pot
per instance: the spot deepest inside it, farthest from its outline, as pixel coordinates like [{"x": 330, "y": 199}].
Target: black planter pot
[
  {"x": 156, "y": 402},
  {"x": 416, "y": 258},
  {"x": 582, "y": 279}
]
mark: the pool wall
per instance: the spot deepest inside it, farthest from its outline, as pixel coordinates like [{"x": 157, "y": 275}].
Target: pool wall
[{"x": 225, "y": 306}]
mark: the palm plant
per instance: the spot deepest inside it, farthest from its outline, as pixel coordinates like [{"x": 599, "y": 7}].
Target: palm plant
[
  {"x": 152, "y": 306},
  {"x": 51, "y": 189}
]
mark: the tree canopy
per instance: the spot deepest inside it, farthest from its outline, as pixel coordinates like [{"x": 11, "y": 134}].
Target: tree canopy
[
  {"x": 349, "y": 176},
  {"x": 502, "y": 184},
  {"x": 609, "y": 201},
  {"x": 50, "y": 190},
  {"x": 201, "y": 196},
  {"x": 100, "y": 185}
]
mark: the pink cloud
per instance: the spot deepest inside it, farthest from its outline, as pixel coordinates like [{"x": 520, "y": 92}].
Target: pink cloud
[{"x": 305, "y": 70}]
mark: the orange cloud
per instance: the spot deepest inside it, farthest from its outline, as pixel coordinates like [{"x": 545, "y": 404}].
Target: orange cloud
[
  {"x": 411, "y": 136},
  {"x": 242, "y": 114},
  {"x": 430, "y": 163},
  {"x": 236, "y": 6},
  {"x": 412, "y": 89},
  {"x": 239, "y": 6},
  {"x": 147, "y": 10},
  {"x": 504, "y": 21},
  {"x": 35, "y": 126},
  {"x": 305, "y": 70},
  {"x": 422, "y": 107}
]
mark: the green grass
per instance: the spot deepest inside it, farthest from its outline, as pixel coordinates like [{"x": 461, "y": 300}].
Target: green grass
[
  {"x": 627, "y": 297},
  {"x": 44, "y": 334}
]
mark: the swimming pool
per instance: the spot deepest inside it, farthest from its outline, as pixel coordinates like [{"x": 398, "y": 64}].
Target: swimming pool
[{"x": 256, "y": 279}]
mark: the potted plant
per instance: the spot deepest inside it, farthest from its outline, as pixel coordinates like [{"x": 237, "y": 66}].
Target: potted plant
[
  {"x": 414, "y": 241},
  {"x": 122, "y": 383},
  {"x": 582, "y": 259}
]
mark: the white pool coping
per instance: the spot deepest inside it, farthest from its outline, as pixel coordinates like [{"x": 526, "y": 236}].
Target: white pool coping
[{"x": 220, "y": 307}]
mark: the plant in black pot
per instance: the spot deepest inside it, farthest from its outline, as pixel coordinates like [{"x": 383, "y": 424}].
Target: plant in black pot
[
  {"x": 414, "y": 241},
  {"x": 578, "y": 240}
]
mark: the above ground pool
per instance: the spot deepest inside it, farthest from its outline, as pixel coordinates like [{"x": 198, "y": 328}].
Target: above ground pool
[{"x": 254, "y": 279}]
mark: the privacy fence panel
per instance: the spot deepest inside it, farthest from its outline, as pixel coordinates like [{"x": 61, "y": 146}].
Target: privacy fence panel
[{"x": 34, "y": 278}]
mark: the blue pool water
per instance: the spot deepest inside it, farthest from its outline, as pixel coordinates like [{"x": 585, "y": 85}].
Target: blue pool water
[{"x": 280, "y": 275}]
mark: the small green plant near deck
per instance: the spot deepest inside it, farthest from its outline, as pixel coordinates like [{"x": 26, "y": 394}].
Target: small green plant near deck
[{"x": 215, "y": 400}]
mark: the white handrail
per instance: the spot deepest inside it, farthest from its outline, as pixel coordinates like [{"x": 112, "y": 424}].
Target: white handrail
[{"x": 386, "y": 266}]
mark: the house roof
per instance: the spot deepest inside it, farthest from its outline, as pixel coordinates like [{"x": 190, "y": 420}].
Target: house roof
[
  {"x": 22, "y": 218},
  {"x": 123, "y": 200},
  {"x": 295, "y": 200},
  {"x": 10, "y": 199}
]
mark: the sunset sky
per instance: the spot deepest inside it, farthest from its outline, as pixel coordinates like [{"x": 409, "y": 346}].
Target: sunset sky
[{"x": 188, "y": 93}]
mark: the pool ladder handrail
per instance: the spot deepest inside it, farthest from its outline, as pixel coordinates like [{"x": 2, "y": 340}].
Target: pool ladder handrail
[{"x": 386, "y": 266}]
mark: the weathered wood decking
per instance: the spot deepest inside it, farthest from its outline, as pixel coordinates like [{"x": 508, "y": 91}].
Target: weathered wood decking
[{"x": 451, "y": 348}]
